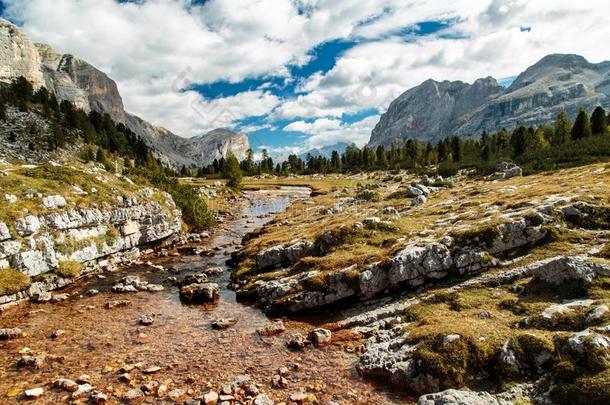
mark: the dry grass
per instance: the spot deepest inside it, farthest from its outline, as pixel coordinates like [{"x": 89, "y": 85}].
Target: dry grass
[{"x": 13, "y": 281}]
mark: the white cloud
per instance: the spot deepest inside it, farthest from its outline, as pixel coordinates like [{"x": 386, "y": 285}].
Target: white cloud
[
  {"x": 487, "y": 40},
  {"x": 153, "y": 48},
  {"x": 324, "y": 132}
]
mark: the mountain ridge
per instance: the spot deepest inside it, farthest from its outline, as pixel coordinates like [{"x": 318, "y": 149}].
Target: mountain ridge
[
  {"x": 88, "y": 88},
  {"x": 434, "y": 110}
]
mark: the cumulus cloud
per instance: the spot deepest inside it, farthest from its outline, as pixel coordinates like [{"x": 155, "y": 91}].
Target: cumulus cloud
[
  {"x": 157, "y": 49},
  {"x": 324, "y": 131}
]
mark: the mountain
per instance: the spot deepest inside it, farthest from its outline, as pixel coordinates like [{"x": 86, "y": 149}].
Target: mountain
[
  {"x": 326, "y": 151},
  {"x": 435, "y": 110},
  {"x": 88, "y": 88}
]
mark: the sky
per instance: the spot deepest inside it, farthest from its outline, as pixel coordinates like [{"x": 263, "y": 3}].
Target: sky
[{"x": 301, "y": 74}]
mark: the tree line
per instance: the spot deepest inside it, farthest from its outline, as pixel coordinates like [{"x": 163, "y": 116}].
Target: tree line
[
  {"x": 553, "y": 145},
  {"x": 105, "y": 141}
]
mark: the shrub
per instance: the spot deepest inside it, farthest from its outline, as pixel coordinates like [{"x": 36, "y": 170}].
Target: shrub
[
  {"x": 368, "y": 195},
  {"x": 447, "y": 169},
  {"x": 13, "y": 281},
  {"x": 69, "y": 269}
]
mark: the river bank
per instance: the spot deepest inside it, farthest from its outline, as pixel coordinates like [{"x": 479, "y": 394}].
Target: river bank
[{"x": 178, "y": 356}]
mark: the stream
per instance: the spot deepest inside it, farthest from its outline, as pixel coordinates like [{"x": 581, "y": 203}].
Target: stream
[{"x": 181, "y": 342}]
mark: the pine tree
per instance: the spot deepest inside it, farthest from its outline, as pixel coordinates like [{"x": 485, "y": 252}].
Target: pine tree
[
  {"x": 456, "y": 149},
  {"x": 563, "y": 129},
  {"x": 599, "y": 124},
  {"x": 582, "y": 126},
  {"x": 100, "y": 156},
  {"x": 517, "y": 141},
  {"x": 232, "y": 172},
  {"x": 486, "y": 154},
  {"x": 59, "y": 140},
  {"x": 2, "y": 110}
]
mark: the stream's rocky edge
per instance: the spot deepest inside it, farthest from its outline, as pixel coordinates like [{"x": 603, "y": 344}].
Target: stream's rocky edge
[{"x": 98, "y": 238}]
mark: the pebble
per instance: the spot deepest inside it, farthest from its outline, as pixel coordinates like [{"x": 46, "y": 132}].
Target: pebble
[
  {"x": 177, "y": 395},
  {"x": 10, "y": 333},
  {"x": 223, "y": 323},
  {"x": 82, "y": 391},
  {"x": 34, "y": 392},
  {"x": 146, "y": 320},
  {"x": 134, "y": 395},
  {"x": 211, "y": 398},
  {"x": 152, "y": 370},
  {"x": 66, "y": 385},
  {"x": 57, "y": 333},
  {"x": 117, "y": 304},
  {"x": 31, "y": 361},
  {"x": 274, "y": 329},
  {"x": 98, "y": 397}
]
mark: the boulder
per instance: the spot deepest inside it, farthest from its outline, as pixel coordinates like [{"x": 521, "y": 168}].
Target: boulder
[
  {"x": 561, "y": 269},
  {"x": 414, "y": 192},
  {"x": 271, "y": 257},
  {"x": 419, "y": 200},
  {"x": 54, "y": 202},
  {"x": 27, "y": 226},
  {"x": 200, "y": 293}
]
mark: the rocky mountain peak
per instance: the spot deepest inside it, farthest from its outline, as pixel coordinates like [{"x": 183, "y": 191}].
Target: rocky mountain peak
[{"x": 435, "y": 110}]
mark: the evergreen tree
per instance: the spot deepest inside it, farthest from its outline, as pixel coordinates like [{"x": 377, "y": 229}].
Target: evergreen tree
[
  {"x": 456, "y": 149},
  {"x": 599, "y": 124},
  {"x": 563, "y": 129},
  {"x": 582, "y": 126},
  {"x": 232, "y": 172},
  {"x": 59, "y": 140},
  {"x": 486, "y": 154},
  {"x": 517, "y": 141},
  {"x": 2, "y": 110},
  {"x": 100, "y": 156}
]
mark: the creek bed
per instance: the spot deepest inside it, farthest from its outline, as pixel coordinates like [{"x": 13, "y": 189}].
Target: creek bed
[{"x": 191, "y": 355}]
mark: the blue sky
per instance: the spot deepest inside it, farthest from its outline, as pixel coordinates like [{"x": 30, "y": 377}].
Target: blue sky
[{"x": 301, "y": 74}]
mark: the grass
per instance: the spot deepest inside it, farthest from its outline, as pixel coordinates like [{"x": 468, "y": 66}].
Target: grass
[
  {"x": 28, "y": 183},
  {"x": 471, "y": 209},
  {"x": 13, "y": 281},
  {"x": 69, "y": 269}
]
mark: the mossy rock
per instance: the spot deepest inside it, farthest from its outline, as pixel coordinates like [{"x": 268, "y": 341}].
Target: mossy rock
[
  {"x": 591, "y": 389},
  {"x": 451, "y": 362}
]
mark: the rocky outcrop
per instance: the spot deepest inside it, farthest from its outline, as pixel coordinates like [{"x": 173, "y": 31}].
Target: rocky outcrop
[
  {"x": 92, "y": 237},
  {"x": 90, "y": 89},
  {"x": 435, "y": 110},
  {"x": 413, "y": 266}
]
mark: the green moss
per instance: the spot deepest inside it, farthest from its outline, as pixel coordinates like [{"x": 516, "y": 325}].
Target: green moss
[
  {"x": 452, "y": 362},
  {"x": 527, "y": 346},
  {"x": 69, "y": 269},
  {"x": 368, "y": 195},
  {"x": 586, "y": 390},
  {"x": 13, "y": 281}
]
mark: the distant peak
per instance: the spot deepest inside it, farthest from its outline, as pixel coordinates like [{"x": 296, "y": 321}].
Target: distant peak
[{"x": 562, "y": 60}]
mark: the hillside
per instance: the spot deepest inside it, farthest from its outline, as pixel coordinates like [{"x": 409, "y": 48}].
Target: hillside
[
  {"x": 435, "y": 110},
  {"x": 89, "y": 89}
]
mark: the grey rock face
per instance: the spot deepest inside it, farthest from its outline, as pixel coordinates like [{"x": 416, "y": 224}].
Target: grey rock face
[
  {"x": 435, "y": 110},
  {"x": 561, "y": 269},
  {"x": 18, "y": 55}
]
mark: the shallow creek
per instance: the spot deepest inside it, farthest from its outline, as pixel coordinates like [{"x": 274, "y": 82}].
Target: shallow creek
[{"x": 191, "y": 355}]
